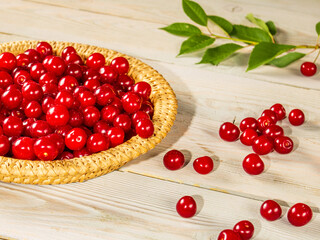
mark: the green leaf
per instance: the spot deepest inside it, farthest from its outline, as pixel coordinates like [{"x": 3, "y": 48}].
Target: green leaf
[
  {"x": 250, "y": 34},
  {"x": 224, "y": 24},
  {"x": 265, "y": 52},
  {"x": 318, "y": 28},
  {"x": 195, "y": 43},
  {"x": 257, "y": 22},
  {"x": 287, "y": 59},
  {"x": 220, "y": 53},
  {"x": 182, "y": 29},
  {"x": 195, "y": 12},
  {"x": 272, "y": 27}
]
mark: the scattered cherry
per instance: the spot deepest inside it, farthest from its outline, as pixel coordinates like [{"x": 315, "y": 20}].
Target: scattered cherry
[
  {"x": 262, "y": 145},
  {"x": 245, "y": 229},
  {"x": 296, "y": 117},
  {"x": 229, "y": 234},
  {"x": 270, "y": 210},
  {"x": 299, "y": 214},
  {"x": 173, "y": 160},
  {"x": 283, "y": 144},
  {"x": 248, "y": 136},
  {"x": 203, "y": 165},
  {"x": 308, "y": 69},
  {"x": 186, "y": 207},
  {"x": 229, "y": 132},
  {"x": 253, "y": 164},
  {"x": 279, "y": 111}
]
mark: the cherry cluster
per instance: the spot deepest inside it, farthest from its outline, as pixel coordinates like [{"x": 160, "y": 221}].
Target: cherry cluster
[
  {"x": 263, "y": 134},
  {"x": 58, "y": 107}
]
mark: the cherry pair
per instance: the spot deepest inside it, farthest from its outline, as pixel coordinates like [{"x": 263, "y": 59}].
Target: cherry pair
[{"x": 243, "y": 230}]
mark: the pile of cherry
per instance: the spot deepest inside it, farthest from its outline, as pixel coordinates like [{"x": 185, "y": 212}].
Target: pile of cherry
[
  {"x": 57, "y": 107},
  {"x": 264, "y": 135}
]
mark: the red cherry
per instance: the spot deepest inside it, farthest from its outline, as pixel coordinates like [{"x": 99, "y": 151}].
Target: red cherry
[
  {"x": 33, "y": 54},
  {"x": 44, "y": 49},
  {"x": 125, "y": 82},
  {"x": 108, "y": 113},
  {"x": 143, "y": 89},
  {"x": 8, "y": 61},
  {"x": 144, "y": 128},
  {"x": 66, "y": 155},
  {"x": 22, "y": 148},
  {"x": 32, "y": 91},
  {"x": 273, "y": 131},
  {"x": 116, "y": 136},
  {"x": 229, "y": 132},
  {"x": 270, "y": 210},
  {"x": 91, "y": 116},
  {"x": 12, "y": 126},
  {"x": 203, "y": 165},
  {"x": 27, "y": 126},
  {"x": 117, "y": 103},
  {"x": 137, "y": 116},
  {"x": 76, "y": 139},
  {"x": 104, "y": 95},
  {"x": 81, "y": 153},
  {"x": 4, "y": 145},
  {"x": 279, "y": 111},
  {"x": 270, "y": 114},
  {"x": 11, "y": 98},
  {"x": 73, "y": 58},
  {"x": 173, "y": 160},
  {"x": 245, "y": 229},
  {"x": 186, "y": 207},
  {"x": 299, "y": 214},
  {"x": 68, "y": 50},
  {"x": 18, "y": 113},
  {"x": 40, "y": 128},
  {"x": 64, "y": 98},
  {"x": 90, "y": 74},
  {"x": 248, "y": 136},
  {"x": 45, "y": 149},
  {"x": 33, "y": 110},
  {"x": 23, "y": 60},
  {"x": 56, "y": 65},
  {"x": 47, "y": 102},
  {"x": 76, "y": 118},
  {"x": 86, "y": 98},
  {"x": 21, "y": 77},
  {"x": 283, "y": 144},
  {"x": 108, "y": 74},
  {"x": 58, "y": 140},
  {"x": 95, "y": 61},
  {"x": 131, "y": 102},
  {"x": 48, "y": 77},
  {"x": 253, "y": 164},
  {"x": 5, "y": 79},
  {"x": 147, "y": 107},
  {"x": 229, "y": 234},
  {"x": 36, "y": 70},
  {"x": 57, "y": 115},
  {"x": 296, "y": 117},
  {"x": 264, "y": 122},
  {"x": 262, "y": 145},
  {"x": 74, "y": 70},
  {"x": 101, "y": 127},
  {"x": 308, "y": 69},
  {"x": 120, "y": 64},
  {"x": 123, "y": 121},
  {"x": 97, "y": 142},
  {"x": 63, "y": 130},
  {"x": 92, "y": 84},
  {"x": 50, "y": 89},
  {"x": 79, "y": 89},
  {"x": 68, "y": 83}
]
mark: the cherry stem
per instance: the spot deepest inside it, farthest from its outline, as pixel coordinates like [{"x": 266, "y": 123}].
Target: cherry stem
[
  {"x": 234, "y": 120},
  {"x": 317, "y": 56}
]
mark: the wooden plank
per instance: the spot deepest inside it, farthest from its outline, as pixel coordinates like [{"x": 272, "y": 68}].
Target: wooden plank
[{"x": 109, "y": 207}]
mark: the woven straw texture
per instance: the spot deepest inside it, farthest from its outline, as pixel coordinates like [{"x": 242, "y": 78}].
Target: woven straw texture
[{"x": 81, "y": 169}]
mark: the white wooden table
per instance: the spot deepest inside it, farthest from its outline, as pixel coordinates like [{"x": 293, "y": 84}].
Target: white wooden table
[{"x": 138, "y": 201}]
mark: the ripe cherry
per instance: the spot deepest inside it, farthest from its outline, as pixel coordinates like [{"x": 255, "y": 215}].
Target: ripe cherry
[
  {"x": 23, "y": 60},
  {"x": 76, "y": 118},
  {"x": 131, "y": 102},
  {"x": 173, "y": 160},
  {"x": 68, "y": 83},
  {"x": 33, "y": 110},
  {"x": 47, "y": 102},
  {"x": 64, "y": 98},
  {"x": 104, "y": 95},
  {"x": 229, "y": 132},
  {"x": 308, "y": 69},
  {"x": 33, "y": 54},
  {"x": 229, "y": 234},
  {"x": 143, "y": 89},
  {"x": 270, "y": 210},
  {"x": 125, "y": 82},
  {"x": 12, "y": 126},
  {"x": 86, "y": 98},
  {"x": 123, "y": 121},
  {"x": 21, "y": 76},
  {"x": 101, "y": 127},
  {"x": 296, "y": 117},
  {"x": 273, "y": 131},
  {"x": 58, "y": 140},
  {"x": 81, "y": 153},
  {"x": 116, "y": 136},
  {"x": 299, "y": 214},
  {"x": 283, "y": 144},
  {"x": 36, "y": 70},
  {"x": 91, "y": 116},
  {"x": 253, "y": 164},
  {"x": 96, "y": 61},
  {"x": 76, "y": 139},
  {"x": 65, "y": 155},
  {"x": 137, "y": 116},
  {"x": 40, "y": 128},
  {"x": 279, "y": 111},
  {"x": 73, "y": 58},
  {"x": 264, "y": 122},
  {"x": 57, "y": 115},
  {"x": 90, "y": 74},
  {"x": 11, "y": 98},
  {"x": 144, "y": 128},
  {"x": 22, "y": 148},
  {"x": 50, "y": 89},
  {"x": 97, "y": 142},
  {"x": 203, "y": 165},
  {"x": 5, "y": 79},
  {"x": 4, "y": 145},
  {"x": 248, "y": 136},
  {"x": 74, "y": 70},
  {"x": 186, "y": 207},
  {"x": 44, "y": 48},
  {"x": 45, "y": 149},
  {"x": 245, "y": 229},
  {"x": 48, "y": 77},
  {"x": 32, "y": 91},
  {"x": 92, "y": 84},
  {"x": 8, "y": 61},
  {"x": 63, "y": 130},
  {"x": 56, "y": 65},
  {"x": 108, "y": 74},
  {"x": 120, "y": 64},
  {"x": 68, "y": 50},
  {"x": 108, "y": 113},
  {"x": 262, "y": 145},
  {"x": 270, "y": 114}
]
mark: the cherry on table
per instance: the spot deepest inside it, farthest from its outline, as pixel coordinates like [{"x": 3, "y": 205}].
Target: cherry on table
[
  {"x": 279, "y": 111},
  {"x": 173, "y": 160},
  {"x": 270, "y": 210},
  {"x": 299, "y": 214},
  {"x": 296, "y": 117},
  {"x": 270, "y": 114},
  {"x": 264, "y": 122},
  {"x": 245, "y": 229},
  {"x": 229, "y": 132},
  {"x": 229, "y": 234},
  {"x": 203, "y": 165},
  {"x": 273, "y": 131},
  {"x": 248, "y": 136},
  {"x": 283, "y": 144},
  {"x": 186, "y": 207},
  {"x": 262, "y": 145},
  {"x": 253, "y": 164},
  {"x": 308, "y": 69}
]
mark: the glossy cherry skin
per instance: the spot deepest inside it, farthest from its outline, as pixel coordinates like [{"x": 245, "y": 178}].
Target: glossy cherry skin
[
  {"x": 8, "y": 61},
  {"x": 125, "y": 82},
  {"x": 273, "y": 131},
  {"x": 264, "y": 122},
  {"x": 143, "y": 89},
  {"x": 123, "y": 121},
  {"x": 86, "y": 98},
  {"x": 245, "y": 229},
  {"x": 36, "y": 70},
  {"x": 32, "y": 91},
  {"x": 92, "y": 84},
  {"x": 308, "y": 69},
  {"x": 48, "y": 77},
  {"x": 186, "y": 207},
  {"x": 68, "y": 50},
  {"x": 33, "y": 54},
  {"x": 23, "y": 60},
  {"x": 56, "y": 65},
  {"x": 57, "y": 115},
  {"x": 108, "y": 113},
  {"x": 58, "y": 140},
  {"x": 96, "y": 61},
  {"x": 21, "y": 76},
  {"x": 299, "y": 214},
  {"x": 47, "y": 102},
  {"x": 144, "y": 128},
  {"x": 120, "y": 64},
  {"x": 68, "y": 83},
  {"x": 74, "y": 70},
  {"x": 50, "y": 89},
  {"x": 90, "y": 74},
  {"x": 64, "y": 98},
  {"x": 229, "y": 234},
  {"x": 270, "y": 210},
  {"x": 4, "y": 145},
  {"x": 76, "y": 118},
  {"x": 11, "y": 98},
  {"x": 229, "y": 132},
  {"x": 296, "y": 117},
  {"x": 12, "y": 126},
  {"x": 63, "y": 130},
  {"x": 97, "y": 142},
  {"x": 104, "y": 95},
  {"x": 270, "y": 114},
  {"x": 173, "y": 160},
  {"x": 248, "y": 136},
  {"x": 91, "y": 116},
  {"x": 33, "y": 110},
  {"x": 131, "y": 102},
  {"x": 108, "y": 74},
  {"x": 116, "y": 136},
  {"x": 45, "y": 149},
  {"x": 22, "y": 148},
  {"x": 5, "y": 79},
  {"x": 44, "y": 48},
  {"x": 101, "y": 127},
  {"x": 253, "y": 164},
  {"x": 262, "y": 145},
  {"x": 137, "y": 116},
  {"x": 40, "y": 128},
  {"x": 66, "y": 155},
  {"x": 203, "y": 165},
  {"x": 73, "y": 58},
  {"x": 279, "y": 111},
  {"x": 76, "y": 139},
  {"x": 283, "y": 144}
]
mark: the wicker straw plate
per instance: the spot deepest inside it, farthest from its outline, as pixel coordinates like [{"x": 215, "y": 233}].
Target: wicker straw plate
[{"x": 81, "y": 169}]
